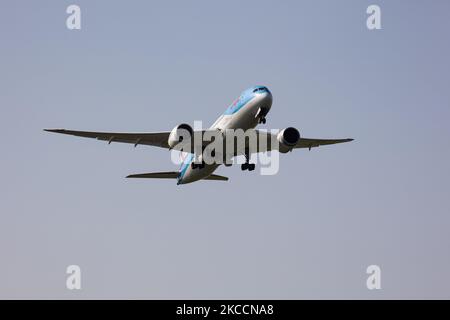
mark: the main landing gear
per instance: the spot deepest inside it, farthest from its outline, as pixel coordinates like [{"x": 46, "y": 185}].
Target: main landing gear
[
  {"x": 262, "y": 120},
  {"x": 197, "y": 165},
  {"x": 247, "y": 166}
]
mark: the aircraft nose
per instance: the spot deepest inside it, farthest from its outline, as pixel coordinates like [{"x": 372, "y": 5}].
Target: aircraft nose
[
  {"x": 267, "y": 98},
  {"x": 263, "y": 93}
]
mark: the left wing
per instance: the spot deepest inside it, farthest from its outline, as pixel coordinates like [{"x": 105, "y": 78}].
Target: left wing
[
  {"x": 302, "y": 143},
  {"x": 311, "y": 143}
]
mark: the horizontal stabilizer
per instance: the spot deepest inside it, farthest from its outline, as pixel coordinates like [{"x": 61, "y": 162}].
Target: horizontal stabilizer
[
  {"x": 172, "y": 175},
  {"x": 157, "y": 175},
  {"x": 216, "y": 177}
]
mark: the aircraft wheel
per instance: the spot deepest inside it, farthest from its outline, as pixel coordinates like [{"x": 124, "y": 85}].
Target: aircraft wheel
[
  {"x": 244, "y": 166},
  {"x": 197, "y": 165},
  {"x": 251, "y": 167}
]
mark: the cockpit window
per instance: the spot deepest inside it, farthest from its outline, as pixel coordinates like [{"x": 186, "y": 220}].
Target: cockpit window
[{"x": 261, "y": 89}]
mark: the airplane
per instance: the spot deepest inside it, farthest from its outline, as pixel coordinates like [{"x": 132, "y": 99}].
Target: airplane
[{"x": 246, "y": 112}]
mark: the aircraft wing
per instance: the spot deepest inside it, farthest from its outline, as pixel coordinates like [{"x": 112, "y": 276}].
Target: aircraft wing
[
  {"x": 302, "y": 143},
  {"x": 157, "y": 139},
  {"x": 311, "y": 143}
]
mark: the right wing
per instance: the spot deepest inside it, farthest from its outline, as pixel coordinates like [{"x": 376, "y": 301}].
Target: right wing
[{"x": 157, "y": 139}]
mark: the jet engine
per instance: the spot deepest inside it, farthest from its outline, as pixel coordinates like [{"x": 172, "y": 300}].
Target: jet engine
[
  {"x": 180, "y": 133},
  {"x": 287, "y": 139}
]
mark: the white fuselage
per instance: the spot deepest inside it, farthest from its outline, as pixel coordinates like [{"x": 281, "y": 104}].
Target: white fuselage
[{"x": 248, "y": 109}]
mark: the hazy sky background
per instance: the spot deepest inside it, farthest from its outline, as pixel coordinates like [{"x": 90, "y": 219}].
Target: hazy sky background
[{"x": 308, "y": 232}]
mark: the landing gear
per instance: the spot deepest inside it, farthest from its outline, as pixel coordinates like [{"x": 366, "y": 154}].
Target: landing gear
[
  {"x": 227, "y": 161},
  {"x": 261, "y": 114},
  {"x": 197, "y": 165},
  {"x": 247, "y": 166}
]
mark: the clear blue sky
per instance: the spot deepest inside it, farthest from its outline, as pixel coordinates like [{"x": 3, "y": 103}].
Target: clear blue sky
[{"x": 308, "y": 232}]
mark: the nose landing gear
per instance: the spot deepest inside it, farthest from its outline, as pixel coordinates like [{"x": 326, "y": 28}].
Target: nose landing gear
[
  {"x": 247, "y": 165},
  {"x": 261, "y": 115}
]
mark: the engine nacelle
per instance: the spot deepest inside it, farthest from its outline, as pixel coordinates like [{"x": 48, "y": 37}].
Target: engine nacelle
[
  {"x": 179, "y": 133},
  {"x": 287, "y": 139}
]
